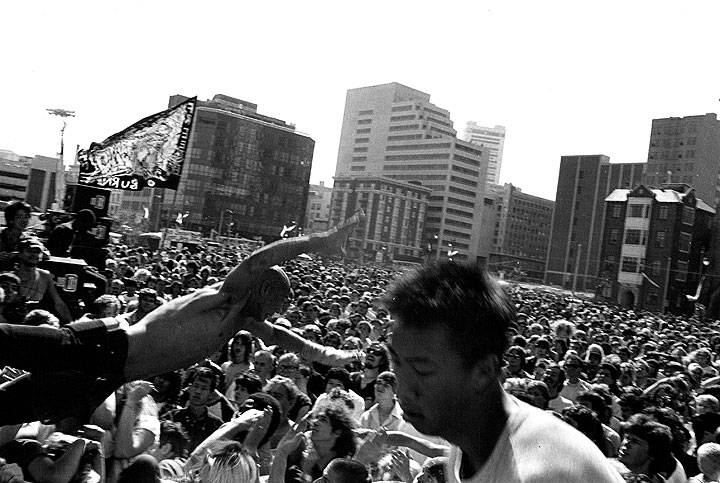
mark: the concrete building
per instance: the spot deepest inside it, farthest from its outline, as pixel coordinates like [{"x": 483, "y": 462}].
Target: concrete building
[
  {"x": 653, "y": 244},
  {"x": 394, "y": 131},
  {"x": 686, "y": 150},
  {"x": 521, "y": 232},
  {"x": 245, "y": 174},
  {"x": 317, "y": 215},
  {"x": 395, "y": 213},
  {"x": 491, "y": 138},
  {"x": 32, "y": 179},
  {"x": 577, "y": 225}
]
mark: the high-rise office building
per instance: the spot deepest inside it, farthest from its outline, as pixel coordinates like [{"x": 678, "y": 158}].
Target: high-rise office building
[
  {"x": 394, "y": 131},
  {"x": 686, "y": 150},
  {"x": 491, "y": 138},
  {"x": 245, "y": 173},
  {"x": 577, "y": 224},
  {"x": 521, "y": 232},
  {"x": 394, "y": 217}
]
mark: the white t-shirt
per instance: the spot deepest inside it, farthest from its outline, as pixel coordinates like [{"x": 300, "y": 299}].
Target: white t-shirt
[{"x": 538, "y": 447}]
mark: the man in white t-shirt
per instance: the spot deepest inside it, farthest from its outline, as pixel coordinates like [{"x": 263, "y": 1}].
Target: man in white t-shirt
[{"x": 450, "y": 333}]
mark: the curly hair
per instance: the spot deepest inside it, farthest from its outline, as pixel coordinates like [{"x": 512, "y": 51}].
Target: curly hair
[{"x": 340, "y": 420}]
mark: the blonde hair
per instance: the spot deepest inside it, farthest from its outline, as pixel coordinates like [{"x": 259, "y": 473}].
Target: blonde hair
[{"x": 231, "y": 464}]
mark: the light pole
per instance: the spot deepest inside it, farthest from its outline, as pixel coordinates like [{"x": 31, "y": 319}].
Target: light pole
[
  {"x": 60, "y": 177},
  {"x": 222, "y": 217}
]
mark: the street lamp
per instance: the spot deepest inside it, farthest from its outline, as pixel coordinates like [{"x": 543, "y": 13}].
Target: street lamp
[
  {"x": 222, "y": 217},
  {"x": 60, "y": 168}
]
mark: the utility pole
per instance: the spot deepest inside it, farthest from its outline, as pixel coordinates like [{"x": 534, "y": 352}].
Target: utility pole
[
  {"x": 60, "y": 168},
  {"x": 577, "y": 267},
  {"x": 666, "y": 302}
]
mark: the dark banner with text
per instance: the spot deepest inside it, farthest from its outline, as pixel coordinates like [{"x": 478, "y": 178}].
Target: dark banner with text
[{"x": 149, "y": 153}]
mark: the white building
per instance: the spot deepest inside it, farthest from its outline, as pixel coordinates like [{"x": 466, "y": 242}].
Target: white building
[
  {"x": 394, "y": 131},
  {"x": 33, "y": 179},
  {"x": 491, "y": 138}
]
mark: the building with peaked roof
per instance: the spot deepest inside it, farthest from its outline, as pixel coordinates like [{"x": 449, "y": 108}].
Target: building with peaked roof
[{"x": 653, "y": 244}]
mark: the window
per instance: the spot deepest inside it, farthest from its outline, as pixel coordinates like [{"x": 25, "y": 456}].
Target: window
[
  {"x": 655, "y": 269},
  {"x": 660, "y": 239},
  {"x": 688, "y": 215},
  {"x": 637, "y": 211},
  {"x": 684, "y": 243},
  {"x": 635, "y": 237},
  {"x": 617, "y": 209},
  {"x": 613, "y": 238},
  {"x": 364, "y": 130},
  {"x": 364, "y": 121},
  {"x": 663, "y": 213},
  {"x": 681, "y": 274},
  {"x": 630, "y": 264},
  {"x": 366, "y": 112}
]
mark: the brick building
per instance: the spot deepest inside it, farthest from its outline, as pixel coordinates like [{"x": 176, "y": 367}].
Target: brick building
[{"x": 653, "y": 244}]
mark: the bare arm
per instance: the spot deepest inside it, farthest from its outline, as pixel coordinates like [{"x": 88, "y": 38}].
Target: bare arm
[
  {"x": 131, "y": 441},
  {"x": 421, "y": 445},
  {"x": 331, "y": 241},
  {"x": 311, "y": 351},
  {"x": 62, "y": 310},
  {"x": 45, "y": 470},
  {"x": 227, "y": 431}
]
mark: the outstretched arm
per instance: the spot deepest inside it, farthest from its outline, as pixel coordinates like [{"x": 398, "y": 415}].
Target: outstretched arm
[
  {"x": 289, "y": 340},
  {"x": 327, "y": 242}
]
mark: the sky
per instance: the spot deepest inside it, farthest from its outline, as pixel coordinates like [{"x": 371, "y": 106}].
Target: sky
[{"x": 563, "y": 77}]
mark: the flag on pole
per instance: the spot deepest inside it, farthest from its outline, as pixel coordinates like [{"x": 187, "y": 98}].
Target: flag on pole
[
  {"x": 650, "y": 280},
  {"x": 146, "y": 212},
  {"x": 150, "y": 153}
]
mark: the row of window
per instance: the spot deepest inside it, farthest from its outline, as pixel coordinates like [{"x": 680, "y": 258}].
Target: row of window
[{"x": 637, "y": 265}]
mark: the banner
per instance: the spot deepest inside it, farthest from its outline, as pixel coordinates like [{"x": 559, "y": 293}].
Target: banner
[{"x": 150, "y": 153}]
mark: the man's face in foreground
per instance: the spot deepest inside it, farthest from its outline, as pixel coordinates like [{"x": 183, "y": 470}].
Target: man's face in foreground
[{"x": 433, "y": 384}]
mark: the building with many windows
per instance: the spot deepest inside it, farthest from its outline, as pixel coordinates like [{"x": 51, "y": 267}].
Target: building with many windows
[
  {"x": 394, "y": 217},
  {"x": 245, "y": 174},
  {"x": 394, "y": 131},
  {"x": 317, "y": 215},
  {"x": 521, "y": 232},
  {"x": 491, "y": 138},
  {"x": 653, "y": 244},
  {"x": 32, "y": 179},
  {"x": 577, "y": 225},
  {"x": 686, "y": 150}
]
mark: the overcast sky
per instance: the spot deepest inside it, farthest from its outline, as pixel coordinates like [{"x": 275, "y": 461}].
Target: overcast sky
[{"x": 562, "y": 77}]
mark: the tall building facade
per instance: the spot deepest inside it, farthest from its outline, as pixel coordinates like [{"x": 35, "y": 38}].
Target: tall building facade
[
  {"x": 491, "y": 138},
  {"x": 521, "y": 232},
  {"x": 32, "y": 179},
  {"x": 394, "y": 131},
  {"x": 243, "y": 170},
  {"x": 686, "y": 150},
  {"x": 317, "y": 215},
  {"x": 394, "y": 217},
  {"x": 653, "y": 245},
  {"x": 577, "y": 223}
]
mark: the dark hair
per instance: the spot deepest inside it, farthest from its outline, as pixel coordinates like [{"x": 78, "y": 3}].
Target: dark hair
[
  {"x": 205, "y": 373},
  {"x": 384, "y": 364},
  {"x": 705, "y": 423},
  {"x": 174, "y": 434},
  {"x": 350, "y": 471},
  {"x": 340, "y": 420},
  {"x": 9, "y": 277},
  {"x": 461, "y": 298},
  {"x": 597, "y": 403},
  {"x": 12, "y": 209},
  {"x": 435, "y": 467},
  {"x": 260, "y": 401},
  {"x": 175, "y": 380},
  {"x": 587, "y": 422},
  {"x": 340, "y": 374},
  {"x": 245, "y": 338},
  {"x": 104, "y": 301},
  {"x": 249, "y": 381},
  {"x": 659, "y": 439}
]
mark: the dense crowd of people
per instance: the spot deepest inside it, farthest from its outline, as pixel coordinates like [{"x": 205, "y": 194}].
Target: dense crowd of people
[{"x": 643, "y": 388}]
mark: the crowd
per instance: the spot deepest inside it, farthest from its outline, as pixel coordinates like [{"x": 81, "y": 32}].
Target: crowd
[{"x": 643, "y": 388}]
